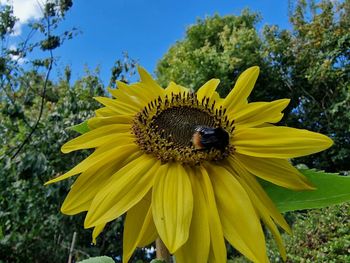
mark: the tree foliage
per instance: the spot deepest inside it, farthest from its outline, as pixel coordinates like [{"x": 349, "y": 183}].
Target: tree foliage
[
  {"x": 309, "y": 64},
  {"x": 315, "y": 57},
  {"x": 33, "y": 228}
]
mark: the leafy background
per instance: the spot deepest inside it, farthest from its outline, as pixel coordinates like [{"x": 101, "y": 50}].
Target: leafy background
[{"x": 308, "y": 63}]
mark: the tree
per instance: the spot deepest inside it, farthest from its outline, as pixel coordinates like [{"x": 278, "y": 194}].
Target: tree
[
  {"x": 315, "y": 58},
  {"x": 48, "y": 38},
  {"x": 33, "y": 229}
]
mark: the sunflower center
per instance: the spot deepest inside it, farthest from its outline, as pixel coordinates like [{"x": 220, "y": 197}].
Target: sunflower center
[
  {"x": 178, "y": 124},
  {"x": 182, "y": 128}
]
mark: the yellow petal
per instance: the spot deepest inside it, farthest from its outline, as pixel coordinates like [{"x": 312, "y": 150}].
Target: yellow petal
[
  {"x": 276, "y": 171},
  {"x": 277, "y": 236},
  {"x": 148, "y": 233},
  {"x": 208, "y": 89},
  {"x": 124, "y": 189},
  {"x": 196, "y": 249},
  {"x": 149, "y": 82},
  {"x": 266, "y": 216},
  {"x": 85, "y": 188},
  {"x": 117, "y": 106},
  {"x": 172, "y": 205},
  {"x": 243, "y": 87},
  {"x": 100, "y": 157},
  {"x": 257, "y": 113},
  {"x": 174, "y": 88},
  {"x": 90, "y": 182},
  {"x": 104, "y": 112},
  {"x": 262, "y": 203},
  {"x": 279, "y": 142},
  {"x": 217, "y": 251},
  {"x": 259, "y": 194},
  {"x": 96, "y": 232},
  {"x": 99, "y": 136},
  {"x": 241, "y": 225},
  {"x": 137, "y": 226},
  {"x": 134, "y": 94},
  {"x": 97, "y": 122}
]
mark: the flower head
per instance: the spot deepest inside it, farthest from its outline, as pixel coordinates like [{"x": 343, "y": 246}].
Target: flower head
[{"x": 184, "y": 166}]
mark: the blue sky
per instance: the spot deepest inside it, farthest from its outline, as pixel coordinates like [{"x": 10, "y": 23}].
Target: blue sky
[{"x": 143, "y": 28}]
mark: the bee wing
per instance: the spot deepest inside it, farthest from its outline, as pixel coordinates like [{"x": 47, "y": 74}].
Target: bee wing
[{"x": 209, "y": 139}]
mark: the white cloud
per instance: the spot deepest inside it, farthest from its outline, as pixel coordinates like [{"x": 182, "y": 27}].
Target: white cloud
[
  {"x": 25, "y": 11},
  {"x": 20, "y": 60}
]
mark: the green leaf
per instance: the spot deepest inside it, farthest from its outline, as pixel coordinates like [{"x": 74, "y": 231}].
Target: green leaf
[
  {"x": 102, "y": 259},
  {"x": 81, "y": 128},
  {"x": 331, "y": 189}
]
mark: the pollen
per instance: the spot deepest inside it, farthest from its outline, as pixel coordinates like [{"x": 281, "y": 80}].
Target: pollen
[{"x": 167, "y": 128}]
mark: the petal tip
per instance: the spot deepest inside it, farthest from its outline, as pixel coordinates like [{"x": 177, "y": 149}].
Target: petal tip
[
  {"x": 65, "y": 149},
  {"x": 214, "y": 80},
  {"x": 88, "y": 223},
  {"x": 140, "y": 69},
  {"x": 64, "y": 209},
  {"x": 143, "y": 73},
  {"x": 327, "y": 142},
  {"x": 254, "y": 69},
  {"x": 330, "y": 142},
  {"x": 110, "y": 90},
  {"x": 54, "y": 180}
]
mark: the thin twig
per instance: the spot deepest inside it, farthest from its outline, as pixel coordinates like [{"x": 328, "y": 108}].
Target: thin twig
[
  {"x": 72, "y": 247},
  {"x": 41, "y": 108},
  {"x": 42, "y": 97},
  {"x": 77, "y": 251}
]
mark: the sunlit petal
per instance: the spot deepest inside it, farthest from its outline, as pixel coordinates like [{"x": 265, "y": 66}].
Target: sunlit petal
[
  {"x": 279, "y": 142},
  {"x": 196, "y": 249},
  {"x": 243, "y": 87},
  {"x": 99, "y": 158},
  {"x": 172, "y": 205},
  {"x": 217, "y": 251},
  {"x": 149, "y": 82},
  {"x": 258, "y": 113},
  {"x": 277, "y": 171},
  {"x": 99, "y": 136},
  {"x": 138, "y": 226},
  {"x": 174, "y": 88},
  {"x": 97, "y": 122},
  {"x": 208, "y": 89},
  {"x": 239, "y": 220},
  {"x": 97, "y": 231},
  {"x": 125, "y": 188},
  {"x": 256, "y": 191}
]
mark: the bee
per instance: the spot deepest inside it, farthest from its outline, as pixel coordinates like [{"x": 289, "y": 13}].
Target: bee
[{"x": 206, "y": 138}]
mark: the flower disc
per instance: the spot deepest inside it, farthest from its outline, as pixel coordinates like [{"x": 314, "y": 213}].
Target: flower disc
[{"x": 181, "y": 128}]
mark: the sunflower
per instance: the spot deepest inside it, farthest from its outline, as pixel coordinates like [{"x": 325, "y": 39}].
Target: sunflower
[{"x": 185, "y": 167}]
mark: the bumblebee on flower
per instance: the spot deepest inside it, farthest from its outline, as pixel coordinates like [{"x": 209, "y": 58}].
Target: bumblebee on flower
[{"x": 183, "y": 166}]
